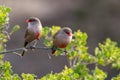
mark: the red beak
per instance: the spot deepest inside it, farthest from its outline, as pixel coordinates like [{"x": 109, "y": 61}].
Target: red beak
[
  {"x": 70, "y": 34},
  {"x": 27, "y": 20}
]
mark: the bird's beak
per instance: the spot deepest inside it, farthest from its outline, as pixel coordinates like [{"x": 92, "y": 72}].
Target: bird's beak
[
  {"x": 70, "y": 34},
  {"x": 27, "y": 20}
]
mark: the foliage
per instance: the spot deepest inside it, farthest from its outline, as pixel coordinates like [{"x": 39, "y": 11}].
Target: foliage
[
  {"x": 4, "y": 12},
  {"x": 107, "y": 53},
  {"x": 116, "y": 78}
]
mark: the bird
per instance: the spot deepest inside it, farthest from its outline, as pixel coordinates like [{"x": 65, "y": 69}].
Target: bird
[
  {"x": 61, "y": 38},
  {"x": 33, "y": 31}
]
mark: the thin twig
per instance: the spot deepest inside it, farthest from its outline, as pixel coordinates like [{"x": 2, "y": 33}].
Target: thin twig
[
  {"x": 9, "y": 51},
  {"x": 19, "y": 49},
  {"x": 85, "y": 63},
  {"x": 75, "y": 61}
]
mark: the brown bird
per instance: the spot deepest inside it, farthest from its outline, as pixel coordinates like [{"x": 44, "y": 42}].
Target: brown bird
[
  {"x": 33, "y": 32},
  {"x": 62, "y": 38}
]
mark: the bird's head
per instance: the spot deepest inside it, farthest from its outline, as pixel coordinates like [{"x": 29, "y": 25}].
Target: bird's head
[
  {"x": 33, "y": 21},
  {"x": 68, "y": 31}
]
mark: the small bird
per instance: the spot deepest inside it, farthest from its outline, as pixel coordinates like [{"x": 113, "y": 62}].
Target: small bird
[
  {"x": 33, "y": 32},
  {"x": 62, "y": 38}
]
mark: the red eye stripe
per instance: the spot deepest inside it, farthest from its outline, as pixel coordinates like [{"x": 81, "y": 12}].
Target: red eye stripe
[
  {"x": 30, "y": 20},
  {"x": 69, "y": 34}
]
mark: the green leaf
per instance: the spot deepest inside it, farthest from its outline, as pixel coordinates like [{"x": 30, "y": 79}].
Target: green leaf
[
  {"x": 14, "y": 29},
  {"x": 116, "y": 78},
  {"x": 28, "y": 76},
  {"x": 99, "y": 74},
  {"x": 8, "y": 9}
]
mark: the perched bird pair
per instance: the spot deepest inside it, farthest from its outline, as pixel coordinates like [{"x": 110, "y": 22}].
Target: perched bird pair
[{"x": 34, "y": 30}]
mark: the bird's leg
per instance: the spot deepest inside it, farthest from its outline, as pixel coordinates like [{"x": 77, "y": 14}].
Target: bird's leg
[
  {"x": 29, "y": 45},
  {"x": 33, "y": 46},
  {"x": 35, "y": 43},
  {"x": 65, "y": 51}
]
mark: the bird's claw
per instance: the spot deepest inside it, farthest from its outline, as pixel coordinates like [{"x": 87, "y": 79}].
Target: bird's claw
[
  {"x": 65, "y": 52},
  {"x": 32, "y": 48},
  {"x": 25, "y": 49}
]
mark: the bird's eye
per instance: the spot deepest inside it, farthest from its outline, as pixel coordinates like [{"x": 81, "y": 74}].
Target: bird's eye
[
  {"x": 68, "y": 33},
  {"x": 30, "y": 20}
]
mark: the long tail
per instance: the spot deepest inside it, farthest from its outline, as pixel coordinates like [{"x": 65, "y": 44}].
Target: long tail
[
  {"x": 54, "y": 48},
  {"x": 25, "y": 44}
]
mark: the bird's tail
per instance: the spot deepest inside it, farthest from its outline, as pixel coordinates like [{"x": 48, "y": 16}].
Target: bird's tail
[
  {"x": 54, "y": 48},
  {"x": 25, "y": 44}
]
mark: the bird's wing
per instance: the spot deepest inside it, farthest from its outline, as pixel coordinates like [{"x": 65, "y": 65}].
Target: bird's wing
[
  {"x": 56, "y": 34},
  {"x": 26, "y": 32}
]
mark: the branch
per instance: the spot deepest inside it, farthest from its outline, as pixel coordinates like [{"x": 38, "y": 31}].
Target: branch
[
  {"x": 25, "y": 49},
  {"x": 19, "y": 49}
]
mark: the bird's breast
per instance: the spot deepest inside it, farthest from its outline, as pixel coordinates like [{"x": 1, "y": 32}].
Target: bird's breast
[
  {"x": 34, "y": 29},
  {"x": 62, "y": 41},
  {"x": 37, "y": 35}
]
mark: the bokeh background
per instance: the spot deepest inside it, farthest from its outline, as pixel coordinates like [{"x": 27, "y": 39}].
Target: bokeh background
[{"x": 100, "y": 19}]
